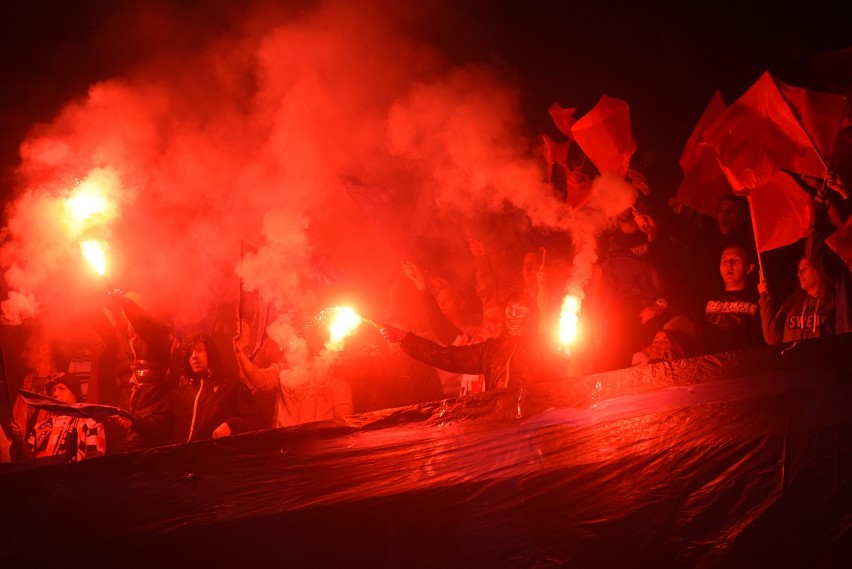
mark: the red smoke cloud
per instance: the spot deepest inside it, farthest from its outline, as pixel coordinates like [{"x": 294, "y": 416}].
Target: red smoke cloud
[{"x": 238, "y": 129}]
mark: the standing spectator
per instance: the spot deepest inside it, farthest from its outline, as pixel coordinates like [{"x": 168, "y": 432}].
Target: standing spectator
[
  {"x": 517, "y": 359},
  {"x": 207, "y": 403},
  {"x": 807, "y": 313},
  {"x": 39, "y": 358},
  {"x": 732, "y": 317},
  {"x": 298, "y": 400},
  {"x": 73, "y": 437},
  {"x": 626, "y": 277},
  {"x": 138, "y": 351},
  {"x": 439, "y": 326}
]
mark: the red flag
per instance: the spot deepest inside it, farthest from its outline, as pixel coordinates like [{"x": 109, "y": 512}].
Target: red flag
[
  {"x": 760, "y": 134},
  {"x": 553, "y": 152},
  {"x": 605, "y": 137},
  {"x": 704, "y": 183},
  {"x": 819, "y": 113},
  {"x": 781, "y": 212},
  {"x": 841, "y": 242},
  {"x": 693, "y": 149},
  {"x": 563, "y": 118},
  {"x": 579, "y": 187}
]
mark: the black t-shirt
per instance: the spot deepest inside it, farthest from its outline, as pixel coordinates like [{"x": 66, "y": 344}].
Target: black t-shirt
[{"x": 732, "y": 321}]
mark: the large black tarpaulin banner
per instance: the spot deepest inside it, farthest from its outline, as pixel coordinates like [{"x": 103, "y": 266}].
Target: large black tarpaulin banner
[{"x": 739, "y": 459}]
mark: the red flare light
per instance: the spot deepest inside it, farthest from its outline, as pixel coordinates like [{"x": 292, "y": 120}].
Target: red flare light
[
  {"x": 345, "y": 323},
  {"x": 95, "y": 254},
  {"x": 569, "y": 319},
  {"x": 88, "y": 206}
]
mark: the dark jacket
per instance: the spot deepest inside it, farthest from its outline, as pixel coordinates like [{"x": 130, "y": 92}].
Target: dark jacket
[
  {"x": 204, "y": 404},
  {"x": 505, "y": 362}
]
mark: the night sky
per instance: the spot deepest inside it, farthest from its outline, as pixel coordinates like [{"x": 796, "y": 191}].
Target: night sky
[{"x": 665, "y": 62}]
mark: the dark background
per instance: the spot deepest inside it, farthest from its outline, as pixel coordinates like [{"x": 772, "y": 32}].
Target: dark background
[{"x": 664, "y": 61}]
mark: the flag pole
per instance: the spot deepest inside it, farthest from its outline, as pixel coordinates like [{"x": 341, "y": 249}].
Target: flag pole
[{"x": 754, "y": 232}]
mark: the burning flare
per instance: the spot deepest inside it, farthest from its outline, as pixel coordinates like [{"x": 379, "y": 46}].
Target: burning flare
[
  {"x": 569, "y": 320},
  {"x": 344, "y": 324},
  {"x": 95, "y": 254},
  {"x": 89, "y": 212},
  {"x": 88, "y": 206}
]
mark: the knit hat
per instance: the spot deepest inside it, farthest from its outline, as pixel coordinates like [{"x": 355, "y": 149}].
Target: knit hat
[{"x": 69, "y": 380}]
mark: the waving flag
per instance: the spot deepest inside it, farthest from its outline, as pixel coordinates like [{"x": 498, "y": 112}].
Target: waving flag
[
  {"x": 760, "y": 134},
  {"x": 841, "y": 243},
  {"x": 821, "y": 115},
  {"x": 563, "y": 118},
  {"x": 704, "y": 183},
  {"x": 781, "y": 212},
  {"x": 554, "y": 151},
  {"x": 604, "y": 135}
]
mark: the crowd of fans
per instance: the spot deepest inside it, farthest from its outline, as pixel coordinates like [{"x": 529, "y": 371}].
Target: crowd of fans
[{"x": 667, "y": 284}]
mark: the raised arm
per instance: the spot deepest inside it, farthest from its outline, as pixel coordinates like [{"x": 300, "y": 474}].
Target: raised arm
[
  {"x": 456, "y": 359},
  {"x": 255, "y": 378}
]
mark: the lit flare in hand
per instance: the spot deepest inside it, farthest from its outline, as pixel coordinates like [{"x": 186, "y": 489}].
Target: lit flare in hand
[
  {"x": 569, "y": 319},
  {"x": 88, "y": 213},
  {"x": 88, "y": 207},
  {"x": 345, "y": 322},
  {"x": 95, "y": 254}
]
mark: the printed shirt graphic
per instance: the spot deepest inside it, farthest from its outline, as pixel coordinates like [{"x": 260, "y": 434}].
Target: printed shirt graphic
[
  {"x": 732, "y": 321},
  {"x": 800, "y": 318},
  {"x": 810, "y": 318}
]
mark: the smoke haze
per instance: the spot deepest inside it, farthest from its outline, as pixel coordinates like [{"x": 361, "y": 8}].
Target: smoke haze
[{"x": 235, "y": 125}]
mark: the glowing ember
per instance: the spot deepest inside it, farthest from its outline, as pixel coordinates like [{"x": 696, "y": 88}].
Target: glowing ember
[
  {"x": 569, "y": 320},
  {"x": 344, "y": 324},
  {"x": 94, "y": 252}
]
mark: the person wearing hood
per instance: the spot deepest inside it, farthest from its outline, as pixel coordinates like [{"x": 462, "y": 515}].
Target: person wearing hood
[
  {"x": 518, "y": 358},
  {"x": 807, "y": 313},
  {"x": 207, "y": 403}
]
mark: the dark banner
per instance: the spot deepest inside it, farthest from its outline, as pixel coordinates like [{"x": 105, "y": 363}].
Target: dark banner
[{"x": 741, "y": 459}]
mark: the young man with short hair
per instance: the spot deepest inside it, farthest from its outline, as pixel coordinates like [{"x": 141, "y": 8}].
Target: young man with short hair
[{"x": 732, "y": 317}]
